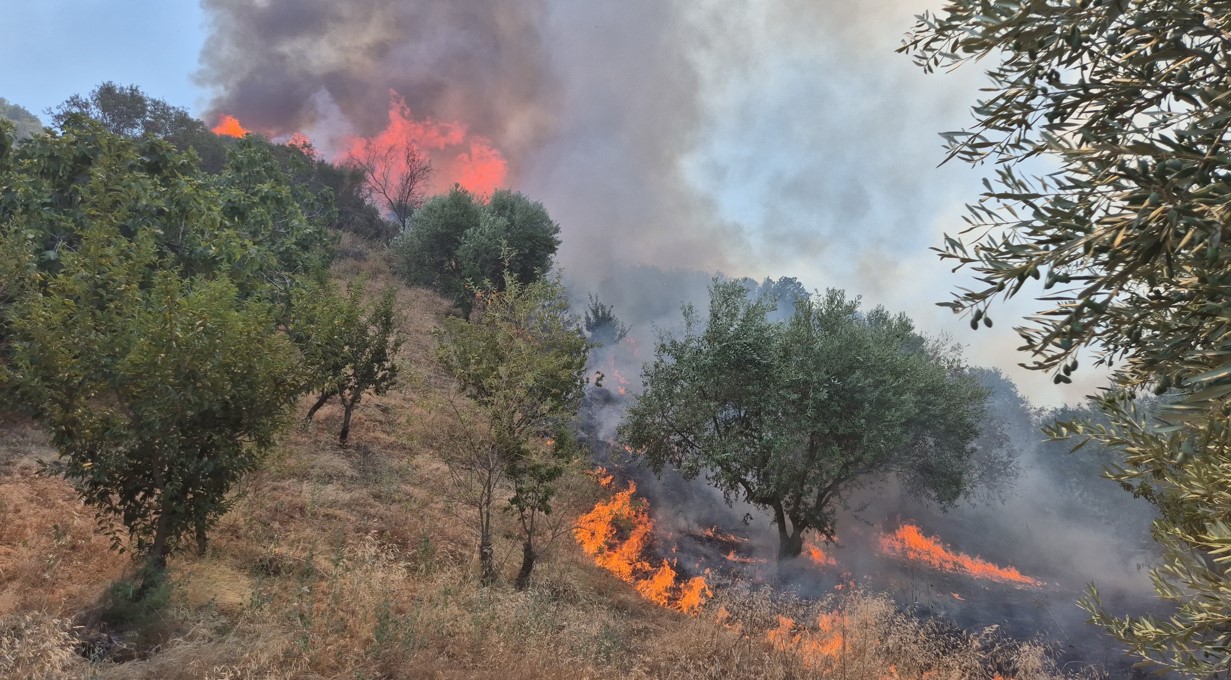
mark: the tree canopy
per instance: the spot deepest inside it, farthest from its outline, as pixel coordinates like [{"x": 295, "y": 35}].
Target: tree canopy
[
  {"x": 1129, "y": 103},
  {"x": 458, "y": 243},
  {"x": 139, "y": 324},
  {"x": 26, "y": 124},
  {"x": 790, "y": 416},
  {"x": 128, "y": 111}
]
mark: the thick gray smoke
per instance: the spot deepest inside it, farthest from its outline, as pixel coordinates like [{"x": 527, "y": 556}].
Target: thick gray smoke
[
  {"x": 284, "y": 65},
  {"x": 756, "y": 139}
]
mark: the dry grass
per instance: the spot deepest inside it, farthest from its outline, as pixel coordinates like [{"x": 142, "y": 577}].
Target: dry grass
[
  {"x": 53, "y": 557},
  {"x": 352, "y": 563}
]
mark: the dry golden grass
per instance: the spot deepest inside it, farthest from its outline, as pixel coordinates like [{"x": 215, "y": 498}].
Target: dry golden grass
[
  {"x": 353, "y": 563},
  {"x": 53, "y": 557}
]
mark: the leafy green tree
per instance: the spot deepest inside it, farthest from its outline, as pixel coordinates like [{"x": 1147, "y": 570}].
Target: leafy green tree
[
  {"x": 522, "y": 360},
  {"x": 26, "y": 124},
  {"x": 515, "y": 236},
  {"x": 426, "y": 253},
  {"x": 791, "y": 416},
  {"x": 127, "y": 333},
  {"x": 286, "y": 221},
  {"x": 130, "y": 112},
  {"x": 251, "y": 221},
  {"x": 349, "y": 347},
  {"x": 1129, "y": 102},
  {"x": 158, "y": 399},
  {"x": 457, "y": 244}
]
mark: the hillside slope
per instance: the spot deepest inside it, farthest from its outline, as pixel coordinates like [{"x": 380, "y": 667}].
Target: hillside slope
[{"x": 358, "y": 562}]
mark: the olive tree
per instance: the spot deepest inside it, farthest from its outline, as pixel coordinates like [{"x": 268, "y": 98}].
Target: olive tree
[
  {"x": 1130, "y": 103},
  {"x": 458, "y": 243},
  {"x": 521, "y": 358},
  {"x": 790, "y": 416}
]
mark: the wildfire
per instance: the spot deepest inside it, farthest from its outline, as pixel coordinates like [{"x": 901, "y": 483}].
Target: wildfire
[
  {"x": 814, "y": 552},
  {"x": 716, "y": 534},
  {"x": 910, "y": 543},
  {"x": 601, "y": 476},
  {"x": 740, "y": 559},
  {"x": 457, "y": 155},
  {"x": 229, "y": 126},
  {"x": 618, "y": 533},
  {"x": 815, "y": 646},
  {"x": 622, "y": 382}
]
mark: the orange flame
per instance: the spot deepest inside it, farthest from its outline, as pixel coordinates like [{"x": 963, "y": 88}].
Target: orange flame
[
  {"x": 717, "y": 534},
  {"x": 601, "y": 476},
  {"x": 910, "y": 543},
  {"x": 457, "y": 156},
  {"x": 814, "y": 647},
  {"x": 740, "y": 559},
  {"x": 617, "y": 534},
  {"x": 814, "y": 552},
  {"x": 622, "y": 386},
  {"x": 229, "y": 126}
]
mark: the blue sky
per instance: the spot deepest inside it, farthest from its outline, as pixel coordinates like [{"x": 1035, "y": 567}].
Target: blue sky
[{"x": 56, "y": 48}]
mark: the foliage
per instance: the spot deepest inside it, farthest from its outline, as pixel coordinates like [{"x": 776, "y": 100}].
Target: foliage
[
  {"x": 426, "y": 253},
  {"x": 602, "y": 325},
  {"x": 130, "y": 112},
  {"x": 349, "y": 347},
  {"x": 791, "y": 416},
  {"x": 456, "y": 243},
  {"x": 26, "y": 124},
  {"x": 781, "y": 294},
  {"x": 514, "y": 237},
  {"x": 1129, "y": 101},
  {"x": 159, "y": 399},
  {"x": 522, "y": 359},
  {"x": 135, "y": 328},
  {"x": 285, "y": 220}
]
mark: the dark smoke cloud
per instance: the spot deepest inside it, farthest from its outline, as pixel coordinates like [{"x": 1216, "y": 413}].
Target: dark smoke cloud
[
  {"x": 273, "y": 63},
  {"x": 625, "y": 118}
]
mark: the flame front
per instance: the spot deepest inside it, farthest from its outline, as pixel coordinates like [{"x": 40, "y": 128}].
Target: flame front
[
  {"x": 229, "y": 126},
  {"x": 617, "y": 533},
  {"x": 456, "y": 155},
  {"x": 909, "y": 542}
]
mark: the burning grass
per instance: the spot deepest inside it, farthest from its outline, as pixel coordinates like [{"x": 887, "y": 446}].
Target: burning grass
[
  {"x": 910, "y": 543},
  {"x": 347, "y": 563},
  {"x": 816, "y": 554},
  {"x": 618, "y": 534}
]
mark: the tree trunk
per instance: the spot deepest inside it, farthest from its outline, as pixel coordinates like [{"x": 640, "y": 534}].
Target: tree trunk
[
  {"x": 202, "y": 541},
  {"x": 156, "y": 564},
  {"x": 792, "y": 547},
  {"x": 348, "y": 408},
  {"x": 527, "y": 564},
  {"x": 317, "y": 406},
  {"x": 487, "y": 560},
  {"x": 790, "y": 541}
]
